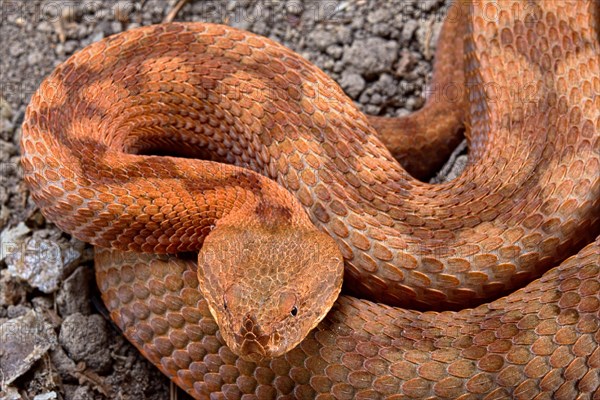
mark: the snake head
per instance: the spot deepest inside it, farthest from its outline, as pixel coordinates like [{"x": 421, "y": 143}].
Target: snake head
[{"x": 268, "y": 288}]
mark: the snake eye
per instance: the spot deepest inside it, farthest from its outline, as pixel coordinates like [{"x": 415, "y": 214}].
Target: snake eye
[
  {"x": 294, "y": 311},
  {"x": 225, "y": 304}
]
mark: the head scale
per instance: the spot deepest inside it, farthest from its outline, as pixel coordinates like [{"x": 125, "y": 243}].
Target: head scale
[{"x": 267, "y": 285}]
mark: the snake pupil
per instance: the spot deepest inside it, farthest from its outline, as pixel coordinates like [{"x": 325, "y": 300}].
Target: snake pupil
[{"x": 294, "y": 311}]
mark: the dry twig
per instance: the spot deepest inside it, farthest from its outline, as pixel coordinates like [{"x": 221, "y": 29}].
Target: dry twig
[{"x": 176, "y": 8}]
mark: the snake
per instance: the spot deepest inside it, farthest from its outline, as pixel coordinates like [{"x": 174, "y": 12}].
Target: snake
[{"x": 230, "y": 188}]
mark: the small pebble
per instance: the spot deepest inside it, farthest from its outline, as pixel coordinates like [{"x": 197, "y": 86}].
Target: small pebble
[
  {"x": 34, "y": 57},
  {"x": 352, "y": 83},
  {"x": 16, "y": 49},
  {"x": 335, "y": 51},
  {"x": 122, "y": 11},
  {"x": 116, "y": 27},
  {"x": 321, "y": 39},
  {"x": 371, "y": 56},
  {"x": 85, "y": 339},
  {"x": 408, "y": 30}
]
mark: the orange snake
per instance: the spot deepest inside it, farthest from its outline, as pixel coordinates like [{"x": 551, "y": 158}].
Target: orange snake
[{"x": 529, "y": 197}]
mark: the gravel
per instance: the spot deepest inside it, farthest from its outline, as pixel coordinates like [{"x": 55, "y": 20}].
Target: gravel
[
  {"x": 85, "y": 339},
  {"x": 379, "y": 51}
]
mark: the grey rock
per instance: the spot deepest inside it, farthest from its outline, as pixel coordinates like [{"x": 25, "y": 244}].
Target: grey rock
[
  {"x": 386, "y": 85},
  {"x": 42, "y": 304},
  {"x": 83, "y": 31},
  {"x": 321, "y": 39},
  {"x": 42, "y": 262},
  {"x": 426, "y": 35},
  {"x": 344, "y": 34},
  {"x": 73, "y": 295},
  {"x": 92, "y": 6},
  {"x": 357, "y": 23},
  {"x": 34, "y": 57},
  {"x": 261, "y": 28},
  {"x": 99, "y": 35},
  {"x": 371, "y": 56},
  {"x": 16, "y": 49},
  {"x": 61, "y": 361},
  {"x": 60, "y": 49},
  {"x": 116, "y": 27},
  {"x": 7, "y": 149},
  {"x": 352, "y": 84},
  {"x": 45, "y": 26},
  {"x": 70, "y": 46},
  {"x": 338, "y": 67},
  {"x": 17, "y": 310},
  {"x": 11, "y": 393},
  {"x": 454, "y": 166},
  {"x": 6, "y": 111},
  {"x": 24, "y": 340},
  {"x": 84, "y": 339},
  {"x": 11, "y": 291},
  {"x": 377, "y": 16},
  {"x": 364, "y": 98},
  {"x": 81, "y": 393},
  {"x": 328, "y": 64},
  {"x": 382, "y": 29},
  {"x": 402, "y": 112},
  {"x": 11, "y": 237},
  {"x": 435, "y": 34},
  {"x": 46, "y": 396},
  {"x": 376, "y": 99},
  {"x": 6, "y": 126},
  {"x": 413, "y": 103},
  {"x": 106, "y": 27},
  {"x": 377, "y": 21},
  {"x": 372, "y": 109},
  {"x": 3, "y": 195},
  {"x": 408, "y": 30},
  {"x": 335, "y": 51}
]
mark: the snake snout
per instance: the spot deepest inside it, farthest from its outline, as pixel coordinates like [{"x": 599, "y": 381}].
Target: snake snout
[{"x": 253, "y": 342}]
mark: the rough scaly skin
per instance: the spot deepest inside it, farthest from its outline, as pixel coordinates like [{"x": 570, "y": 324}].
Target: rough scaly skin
[
  {"x": 423, "y": 141},
  {"x": 539, "y": 341},
  {"x": 529, "y": 196}
]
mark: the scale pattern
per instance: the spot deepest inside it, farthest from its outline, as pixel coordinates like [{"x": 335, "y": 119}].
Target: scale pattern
[
  {"x": 529, "y": 197},
  {"x": 539, "y": 342}
]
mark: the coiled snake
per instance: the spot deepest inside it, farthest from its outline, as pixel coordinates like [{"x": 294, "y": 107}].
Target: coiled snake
[{"x": 529, "y": 197}]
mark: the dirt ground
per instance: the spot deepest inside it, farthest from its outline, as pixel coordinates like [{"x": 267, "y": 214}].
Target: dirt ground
[{"x": 55, "y": 341}]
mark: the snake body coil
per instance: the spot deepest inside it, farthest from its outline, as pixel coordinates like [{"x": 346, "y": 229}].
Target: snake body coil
[{"x": 529, "y": 197}]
